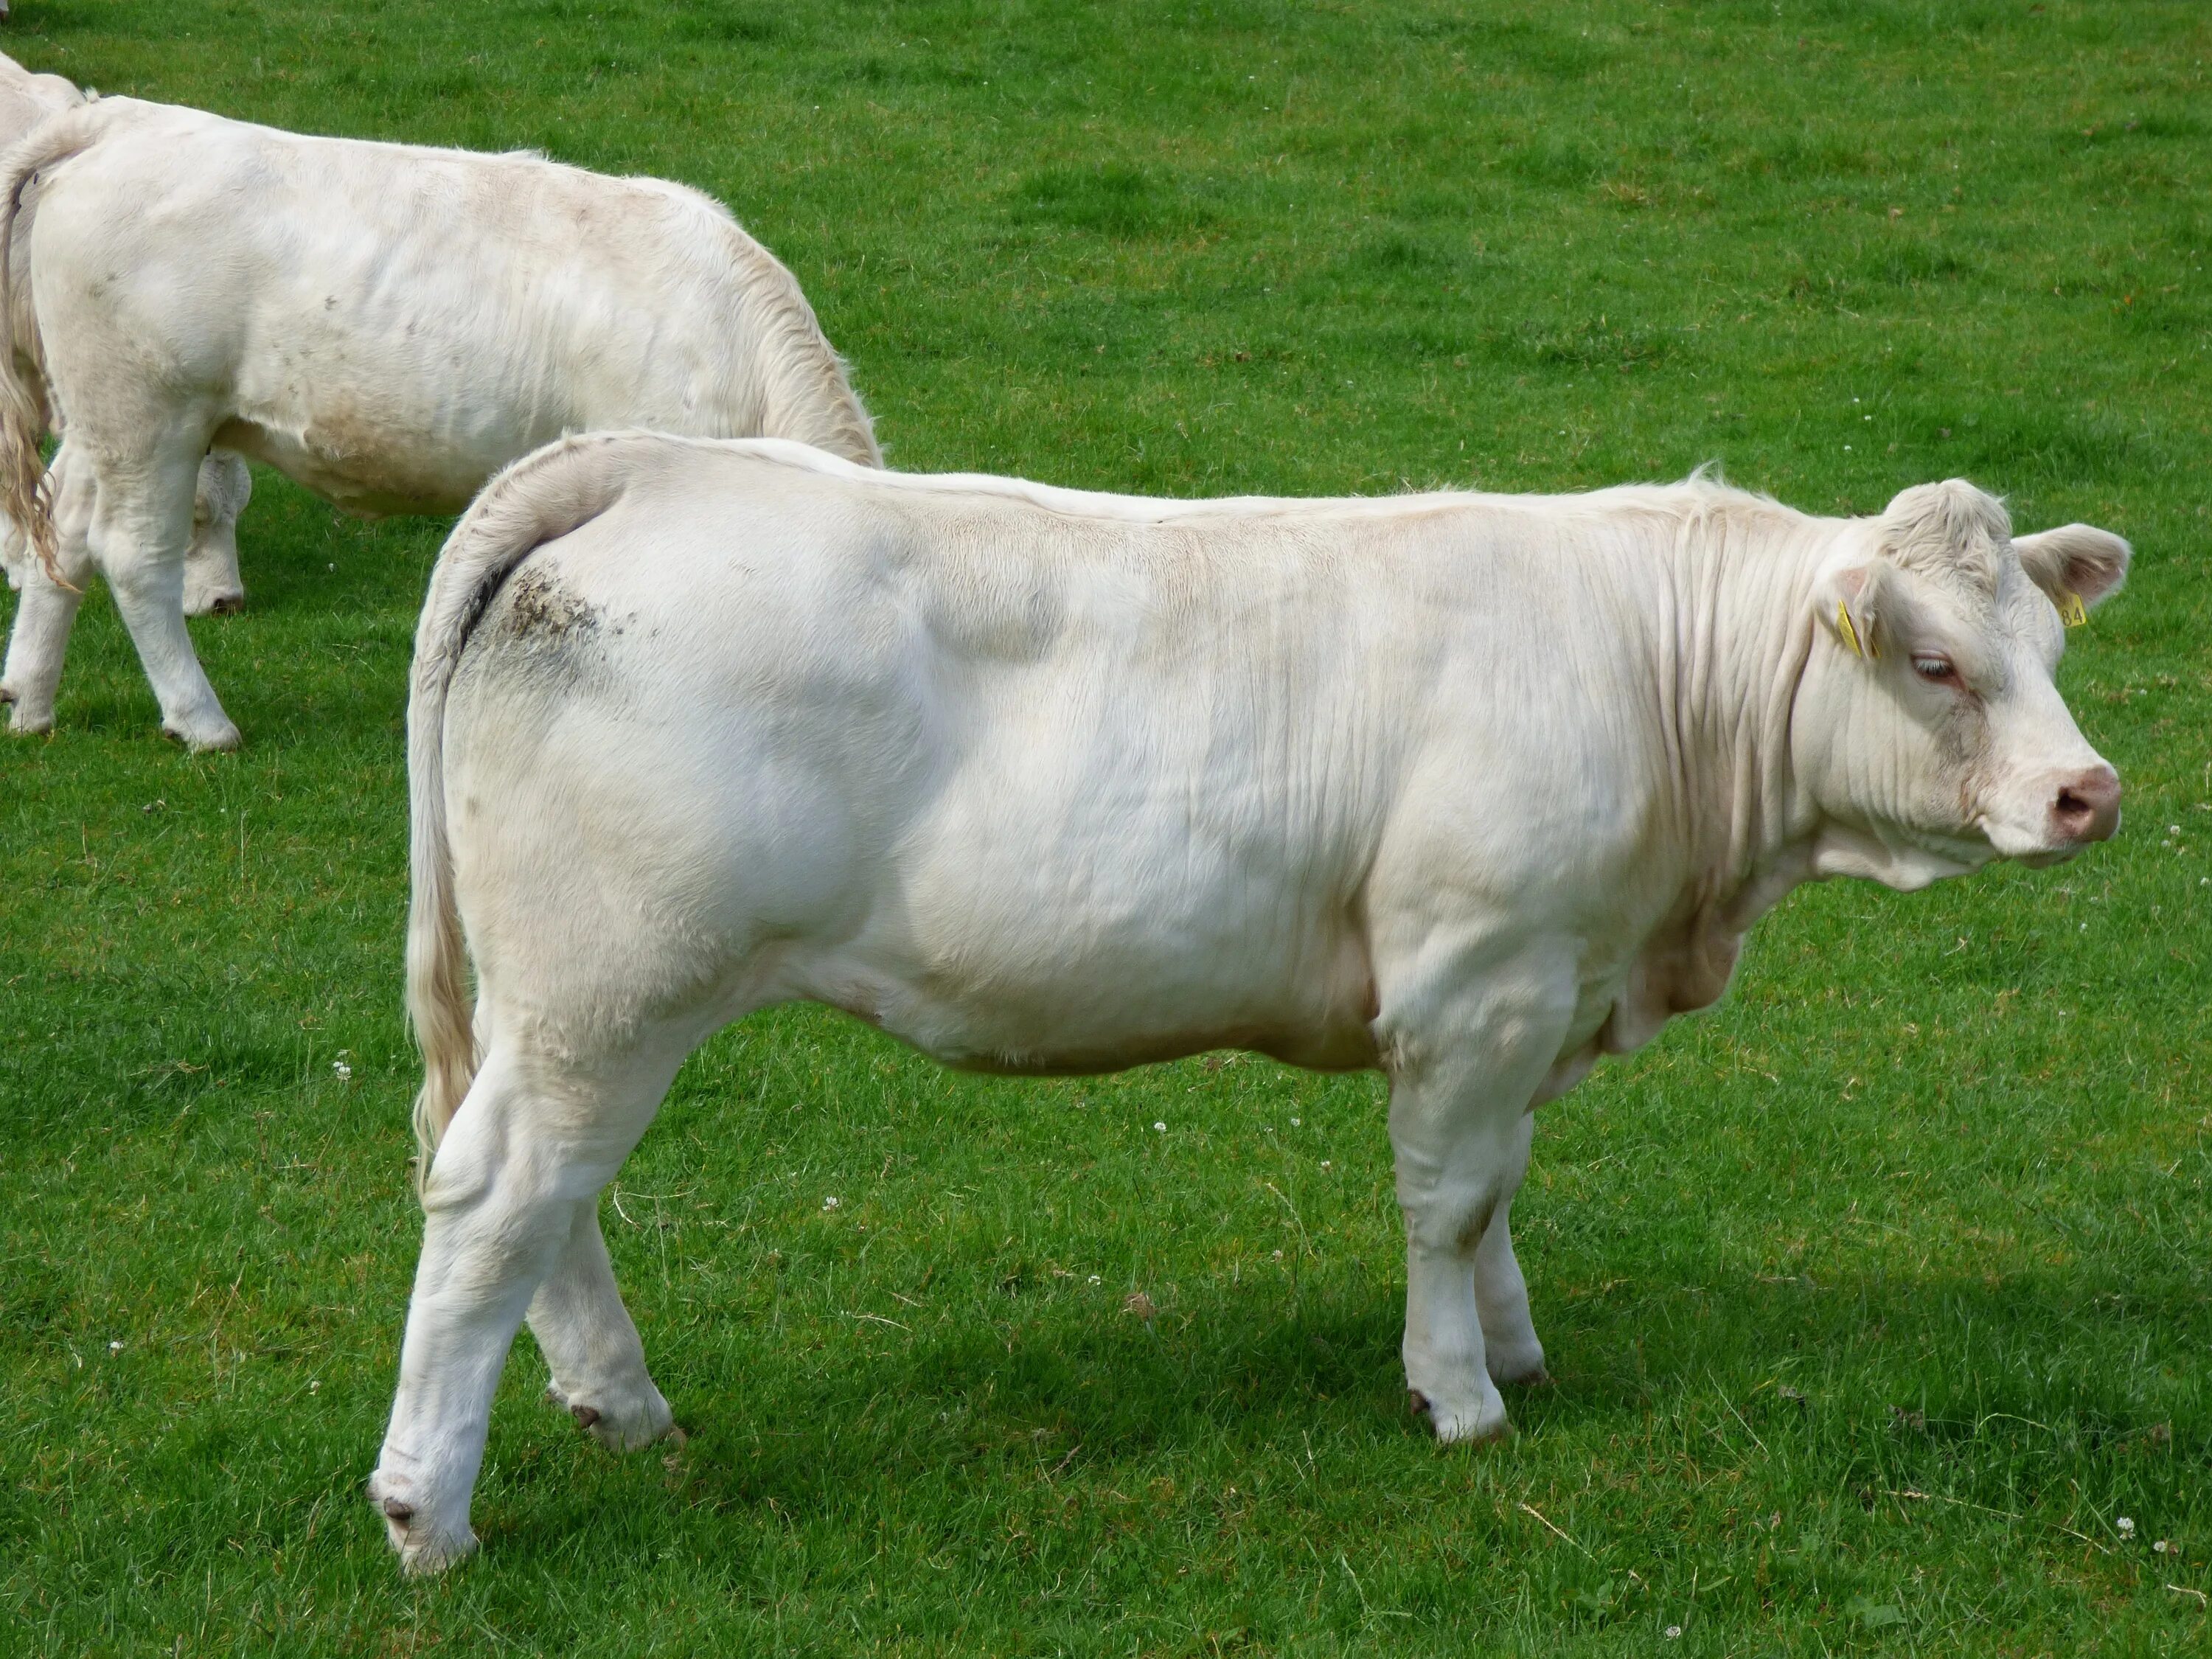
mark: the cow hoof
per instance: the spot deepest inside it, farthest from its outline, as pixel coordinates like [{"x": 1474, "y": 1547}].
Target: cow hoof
[
  {"x": 1472, "y": 1426},
  {"x": 422, "y": 1547},
  {"x": 1524, "y": 1370},
  {"x": 620, "y": 1419},
  {"x": 27, "y": 721},
  {"x": 434, "y": 1555},
  {"x": 201, "y": 736}
]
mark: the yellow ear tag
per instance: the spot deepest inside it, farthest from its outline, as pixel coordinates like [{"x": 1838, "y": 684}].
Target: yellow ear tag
[
  {"x": 1844, "y": 627},
  {"x": 2071, "y": 610}
]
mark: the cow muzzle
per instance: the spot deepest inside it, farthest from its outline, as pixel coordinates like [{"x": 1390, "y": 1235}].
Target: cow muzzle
[{"x": 2085, "y": 808}]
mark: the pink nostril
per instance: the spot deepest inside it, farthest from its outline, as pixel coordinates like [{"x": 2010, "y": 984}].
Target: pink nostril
[{"x": 2088, "y": 808}]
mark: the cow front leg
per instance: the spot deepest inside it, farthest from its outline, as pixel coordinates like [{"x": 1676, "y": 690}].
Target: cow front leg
[
  {"x": 1511, "y": 1351},
  {"x": 586, "y": 1335},
  {"x": 212, "y": 587},
  {"x": 39, "y": 641},
  {"x": 1466, "y": 1068}
]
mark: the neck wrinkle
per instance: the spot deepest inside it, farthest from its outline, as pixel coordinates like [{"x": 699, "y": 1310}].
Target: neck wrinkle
[{"x": 1743, "y": 635}]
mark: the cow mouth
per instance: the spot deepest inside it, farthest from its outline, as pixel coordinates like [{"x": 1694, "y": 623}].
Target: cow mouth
[
  {"x": 2029, "y": 851},
  {"x": 1966, "y": 852}
]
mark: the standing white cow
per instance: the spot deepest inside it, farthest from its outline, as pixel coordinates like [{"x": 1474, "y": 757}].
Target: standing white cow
[
  {"x": 1473, "y": 789},
  {"x": 389, "y": 326},
  {"x": 211, "y": 579}
]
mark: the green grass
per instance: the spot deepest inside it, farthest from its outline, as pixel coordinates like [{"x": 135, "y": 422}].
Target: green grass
[{"x": 1874, "y": 1298}]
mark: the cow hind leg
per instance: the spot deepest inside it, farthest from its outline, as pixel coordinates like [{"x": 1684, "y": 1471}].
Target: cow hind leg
[
  {"x": 592, "y": 1346},
  {"x": 532, "y": 1144},
  {"x": 47, "y": 610}
]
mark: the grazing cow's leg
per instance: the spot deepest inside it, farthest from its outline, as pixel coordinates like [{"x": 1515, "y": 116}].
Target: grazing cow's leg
[
  {"x": 588, "y": 1340},
  {"x": 48, "y": 609},
  {"x": 212, "y": 584},
  {"x": 1461, "y": 1085},
  {"x": 531, "y": 1143},
  {"x": 1510, "y": 1351},
  {"x": 141, "y": 525}
]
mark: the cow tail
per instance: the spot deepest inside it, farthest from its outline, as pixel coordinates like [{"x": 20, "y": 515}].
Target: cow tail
[
  {"x": 24, "y": 491},
  {"x": 539, "y": 498}
]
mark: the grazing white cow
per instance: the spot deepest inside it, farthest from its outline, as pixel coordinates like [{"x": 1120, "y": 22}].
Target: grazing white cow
[
  {"x": 389, "y": 326},
  {"x": 211, "y": 579},
  {"x": 1471, "y": 789}
]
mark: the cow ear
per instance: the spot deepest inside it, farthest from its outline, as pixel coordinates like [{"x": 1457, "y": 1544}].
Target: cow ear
[
  {"x": 2075, "y": 562},
  {"x": 1848, "y": 598}
]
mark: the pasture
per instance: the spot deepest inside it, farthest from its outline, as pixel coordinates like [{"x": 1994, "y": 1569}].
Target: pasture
[{"x": 1876, "y": 1299}]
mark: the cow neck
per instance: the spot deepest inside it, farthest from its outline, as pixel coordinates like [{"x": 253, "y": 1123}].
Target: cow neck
[{"x": 1743, "y": 572}]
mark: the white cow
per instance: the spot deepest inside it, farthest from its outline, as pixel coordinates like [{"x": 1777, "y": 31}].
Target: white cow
[
  {"x": 211, "y": 579},
  {"x": 389, "y": 326},
  {"x": 1471, "y": 789}
]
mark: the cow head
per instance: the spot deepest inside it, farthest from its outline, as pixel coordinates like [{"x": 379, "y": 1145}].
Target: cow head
[{"x": 1927, "y": 730}]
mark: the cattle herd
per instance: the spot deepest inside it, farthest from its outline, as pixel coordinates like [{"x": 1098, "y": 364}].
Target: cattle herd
[{"x": 708, "y": 712}]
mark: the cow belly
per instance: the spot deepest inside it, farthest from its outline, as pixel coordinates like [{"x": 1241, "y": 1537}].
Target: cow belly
[
  {"x": 1011, "y": 1006},
  {"x": 370, "y": 466}
]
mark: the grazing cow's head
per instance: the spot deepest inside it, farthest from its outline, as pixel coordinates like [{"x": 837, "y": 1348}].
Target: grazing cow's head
[{"x": 1927, "y": 728}]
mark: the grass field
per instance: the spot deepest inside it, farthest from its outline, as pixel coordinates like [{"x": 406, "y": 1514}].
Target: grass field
[{"x": 1875, "y": 1299}]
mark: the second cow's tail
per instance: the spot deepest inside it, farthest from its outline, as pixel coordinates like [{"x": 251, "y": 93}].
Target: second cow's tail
[
  {"x": 23, "y": 493},
  {"x": 541, "y": 497}
]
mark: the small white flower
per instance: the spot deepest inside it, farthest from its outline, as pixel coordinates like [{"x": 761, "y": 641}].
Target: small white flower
[
  {"x": 829, "y": 1203},
  {"x": 1294, "y": 1123},
  {"x": 1278, "y": 1256},
  {"x": 2173, "y": 828},
  {"x": 1094, "y": 1278},
  {"x": 344, "y": 1071},
  {"x": 115, "y": 1347},
  {"x": 1847, "y": 450},
  {"x": 2161, "y": 1547},
  {"x": 1161, "y": 1127},
  {"x": 314, "y": 1384},
  {"x": 1674, "y": 1631},
  {"x": 1324, "y": 1164},
  {"x": 2127, "y": 1526}
]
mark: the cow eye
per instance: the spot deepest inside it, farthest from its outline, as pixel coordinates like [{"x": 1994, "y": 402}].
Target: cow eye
[{"x": 1931, "y": 666}]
